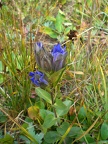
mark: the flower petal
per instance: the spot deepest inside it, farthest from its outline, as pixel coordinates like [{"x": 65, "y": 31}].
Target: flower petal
[
  {"x": 42, "y": 80},
  {"x": 31, "y": 74},
  {"x": 59, "y": 56},
  {"x": 58, "y": 65},
  {"x": 46, "y": 62},
  {"x": 58, "y": 48},
  {"x": 39, "y": 73},
  {"x": 38, "y": 78}
]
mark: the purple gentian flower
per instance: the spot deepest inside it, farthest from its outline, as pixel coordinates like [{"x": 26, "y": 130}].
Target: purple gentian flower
[
  {"x": 59, "y": 54},
  {"x": 38, "y": 50},
  {"x": 43, "y": 58},
  {"x": 50, "y": 61},
  {"x": 38, "y": 78}
]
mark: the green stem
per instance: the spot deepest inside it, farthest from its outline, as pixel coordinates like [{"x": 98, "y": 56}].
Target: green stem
[{"x": 53, "y": 101}]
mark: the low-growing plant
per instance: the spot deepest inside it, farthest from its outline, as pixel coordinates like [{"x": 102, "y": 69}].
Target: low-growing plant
[{"x": 53, "y": 72}]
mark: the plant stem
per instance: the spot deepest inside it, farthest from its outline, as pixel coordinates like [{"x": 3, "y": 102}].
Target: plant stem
[
  {"x": 52, "y": 97},
  {"x": 53, "y": 101}
]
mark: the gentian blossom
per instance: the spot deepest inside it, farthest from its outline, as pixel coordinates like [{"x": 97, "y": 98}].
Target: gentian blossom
[
  {"x": 38, "y": 78},
  {"x": 43, "y": 58},
  {"x": 50, "y": 61},
  {"x": 59, "y": 56},
  {"x": 39, "y": 52}
]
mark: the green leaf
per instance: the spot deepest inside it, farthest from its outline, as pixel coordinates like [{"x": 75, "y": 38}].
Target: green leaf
[
  {"x": 50, "y": 32},
  {"x": 50, "y": 18},
  {"x": 82, "y": 113},
  {"x": 49, "y": 121},
  {"x": 87, "y": 138},
  {"x": 25, "y": 139},
  {"x": 101, "y": 142},
  {"x": 6, "y": 140},
  {"x": 55, "y": 77},
  {"x": 51, "y": 137},
  {"x": 38, "y": 137},
  {"x": 68, "y": 103},
  {"x": 3, "y": 118},
  {"x": 59, "y": 22},
  {"x": 40, "y": 104},
  {"x": 104, "y": 131},
  {"x": 74, "y": 132},
  {"x": 63, "y": 2},
  {"x": 62, "y": 108},
  {"x": 62, "y": 128},
  {"x": 59, "y": 104},
  {"x": 44, "y": 113},
  {"x": 43, "y": 94},
  {"x": 67, "y": 30}
]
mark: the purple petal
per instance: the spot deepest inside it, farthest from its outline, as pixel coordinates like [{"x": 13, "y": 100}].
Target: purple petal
[
  {"x": 59, "y": 61},
  {"x": 42, "y": 80},
  {"x": 38, "y": 47},
  {"x": 36, "y": 82},
  {"x": 39, "y": 73},
  {"x": 58, "y": 48},
  {"x": 38, "y": 78},
  {"x": 31, "y": 74},
  {"x": 57, "y": 56}
]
